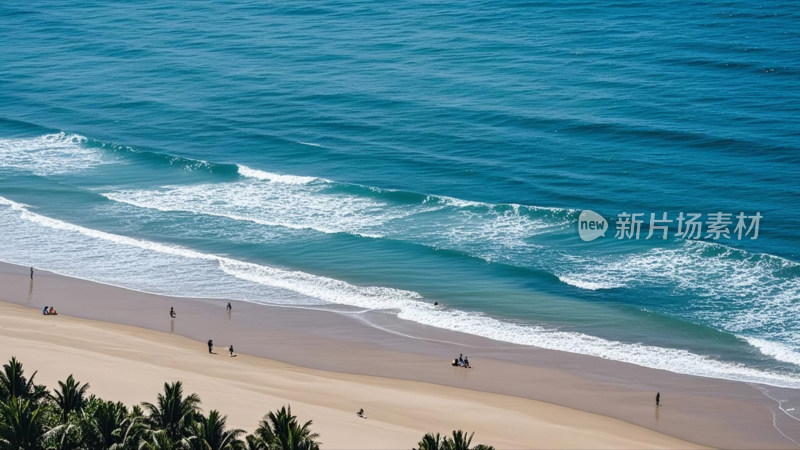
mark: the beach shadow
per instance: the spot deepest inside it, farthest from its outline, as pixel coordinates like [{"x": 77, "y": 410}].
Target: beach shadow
[
  {"x": 30, "y": 291},
  {"x": 658, "y": 409},
  {"x": 171, "y": 325}
]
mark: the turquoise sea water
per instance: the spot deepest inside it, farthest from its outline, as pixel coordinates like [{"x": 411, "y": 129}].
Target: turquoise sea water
[{"x": 387, "y": 157}]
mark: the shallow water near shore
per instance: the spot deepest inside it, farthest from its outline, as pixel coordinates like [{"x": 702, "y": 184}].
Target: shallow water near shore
[{"x": 385, "y": 159}]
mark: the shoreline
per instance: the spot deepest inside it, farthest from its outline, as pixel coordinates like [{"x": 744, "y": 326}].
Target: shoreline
[
  {"x": 703, "y": 410},
  {"x": 244, "y": 388}
]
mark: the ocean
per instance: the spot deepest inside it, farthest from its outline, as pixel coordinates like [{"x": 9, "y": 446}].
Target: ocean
[{"x": 388, "y": 157}]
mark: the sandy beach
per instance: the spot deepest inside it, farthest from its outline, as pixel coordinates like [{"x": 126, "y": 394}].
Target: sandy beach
[{"x": 327, "y": 365}]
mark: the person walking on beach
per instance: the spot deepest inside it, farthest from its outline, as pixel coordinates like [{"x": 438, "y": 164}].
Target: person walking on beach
[
  {"x": 230, "y": 349},
  {"x": 229, "y": 307},
  {"x": 172, "y": 312},
  {"x": 210, "y": 346},
  {"x": 658, "y": 399},
  {"x": 31, "y": 273}
]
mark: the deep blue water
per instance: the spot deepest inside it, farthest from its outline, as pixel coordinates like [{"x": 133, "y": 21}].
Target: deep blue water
[{"x": 388, "y": 156}]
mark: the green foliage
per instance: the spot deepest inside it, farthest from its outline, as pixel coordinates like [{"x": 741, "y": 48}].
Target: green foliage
[
  {"x": 21, "y": 425},
  {"x": 458, "y": 441},
  {"x": 430, "y": 442},
  {"x": 282, "y": 431},
  {"x": 211, "y": 434},
  {"x": 103, "y": 423},
  {"x": 14, "y": 384},
  {"x": 70, "y": 397},
  {"x": 173, "y": 413}
]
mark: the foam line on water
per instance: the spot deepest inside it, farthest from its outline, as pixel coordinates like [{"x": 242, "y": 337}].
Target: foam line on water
[
  {"x": 490, "y": 232},
  {"x": 51, "y": 154},
  {"x": 743, "y": 293},
  {"x": 776, "y": 350},
  {"x": 247, "y": 172},
  {"x": 589, "y": 285},
  {"x": 293, "y": 206}
]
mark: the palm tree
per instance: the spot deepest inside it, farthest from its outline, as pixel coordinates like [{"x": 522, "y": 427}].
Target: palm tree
[
  {"x": 281, "y": 431},
  {"x": 430, "y": 442},
  {"x": 66, "y": 436},
  {"x": 102, "y": 423},
  {"x": 160, "y": 440},
  {"x": 212, "y": 435},
  {"x": 253, "y": 442},
  {"x": 459, "y": 441},
  {"x": 131, "y": 432},
  {"x": 14, "y": 384},
  {"x": 70, "y": 397},
  {"x": 21, "y": 425},
  {"x": 173, "y": 413}
]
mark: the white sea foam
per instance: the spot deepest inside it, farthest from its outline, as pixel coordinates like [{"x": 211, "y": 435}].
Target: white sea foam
[
  {"x": 310, "y": 144},
  {"x": 51, "y": 154},
  {"x": 588, "y": 285},
  {"x": 742, "y": 293},
  {"x": 113, "y": 257},
  {"x": 779, "y": 351},
  {"x": 293, "y": 206},
  {"x": 247, "y": 172},
  {"x": 490, "y": 232}
]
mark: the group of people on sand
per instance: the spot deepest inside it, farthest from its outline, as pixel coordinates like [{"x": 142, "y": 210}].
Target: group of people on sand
[
  {"x": 172, "y": 315},
  {"x": 49, "y": 311},
  {"x": 211, "y": 347},
  {"x": 211, "y": 341},
  {"x": 461, "y": 361}
]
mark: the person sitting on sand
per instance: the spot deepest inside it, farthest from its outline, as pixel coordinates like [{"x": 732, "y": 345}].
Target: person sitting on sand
[
  {"x": 45, "y": 311},
  {"x": 466, "y": 363},
  {"x": 360, "y": 413},
  {"x": 455, "y": 362},
  {"x": 52, "y": 312}
]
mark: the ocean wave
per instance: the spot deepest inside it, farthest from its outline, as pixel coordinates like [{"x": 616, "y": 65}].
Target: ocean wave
[
  {"x": 275, "y": 178},
  {"x": 215, "y": 273},
  {"x": 589, "y": 285},
  {"x": 50, "y": 154},
  {"x": 292, "y": 206},
  {"x": 776, "y": 350},
  {"x": 310, "y": 144},
  {"x": 489, "y": 232},
  {"x": 734, "y": 290}
]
